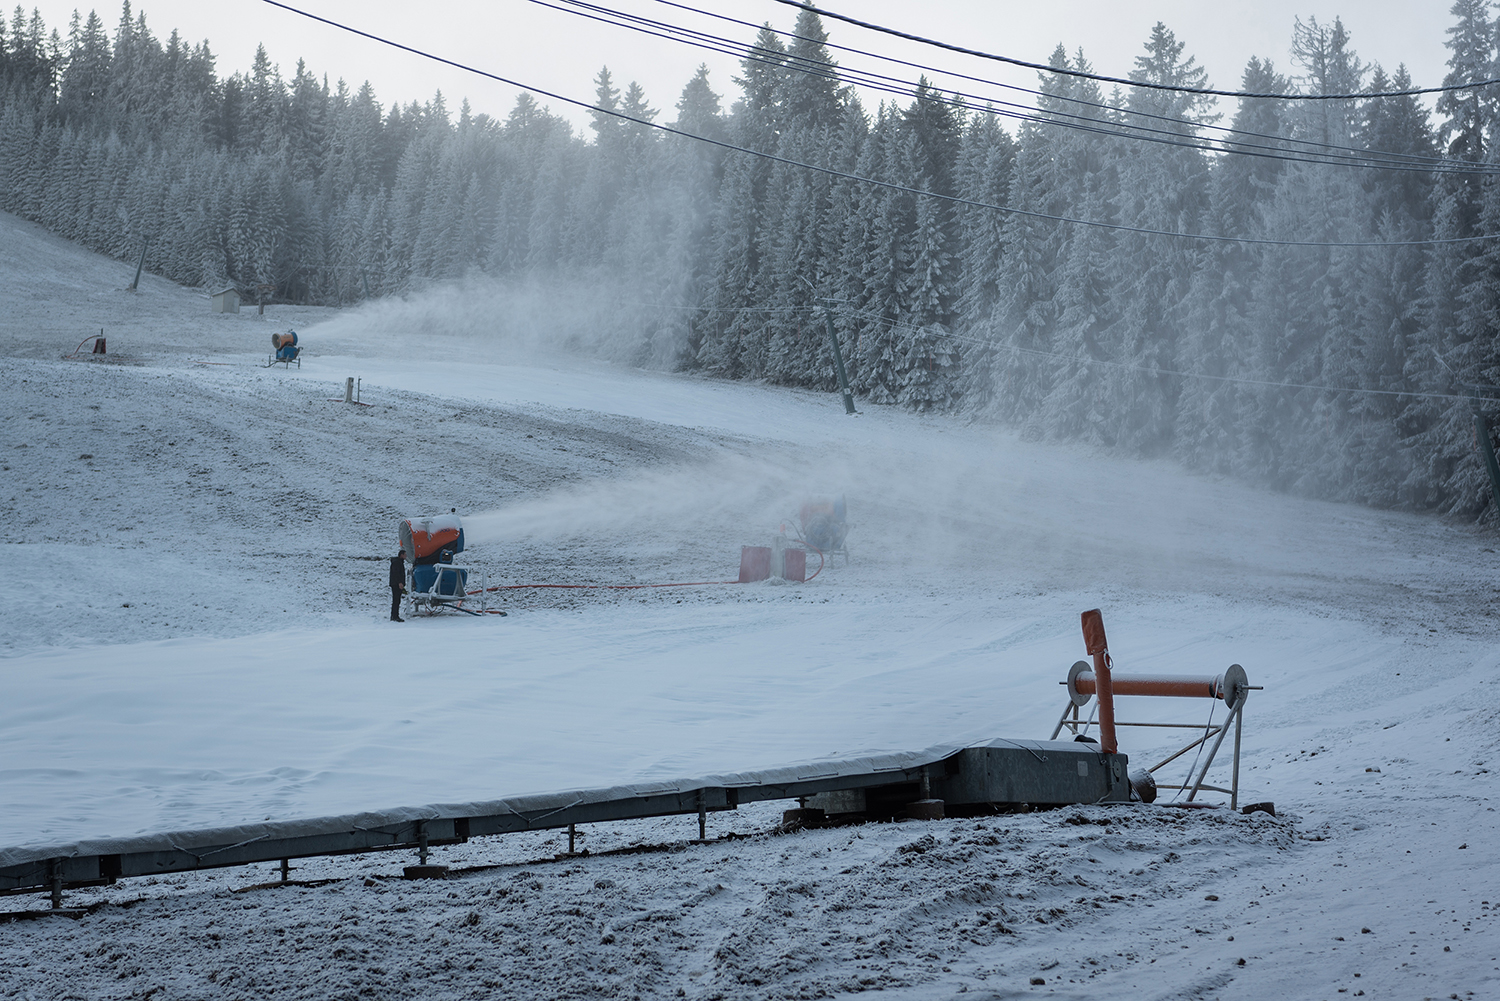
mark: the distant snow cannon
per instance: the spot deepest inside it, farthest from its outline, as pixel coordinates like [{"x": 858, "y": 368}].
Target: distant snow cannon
[
  {"x": 824, "y": 525},
  {"x": 820, "y": 528},
  {"x": 429, "y": 545},
  {"x": 285, "y": 349}
]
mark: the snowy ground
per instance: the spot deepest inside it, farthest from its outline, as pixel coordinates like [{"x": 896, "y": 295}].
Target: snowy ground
[{"x": 192, "y": 634}]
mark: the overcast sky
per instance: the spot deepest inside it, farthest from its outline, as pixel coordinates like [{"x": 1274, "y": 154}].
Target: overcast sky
[{"x": 552, "y": 50}]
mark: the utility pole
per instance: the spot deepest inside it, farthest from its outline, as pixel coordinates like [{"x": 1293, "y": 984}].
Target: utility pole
[
  {"x": 838, "y": 360},
  {"x": 141, "y": 264},
  {"x": 1486, "y": 444},
  {"x": 833, "y": 343}
]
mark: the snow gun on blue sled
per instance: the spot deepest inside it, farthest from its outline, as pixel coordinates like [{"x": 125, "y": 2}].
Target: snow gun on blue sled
[
  {"x": 284, "y": 349},
  {"x": 824, "y": 526},
  {"x": 434, "y": 582}
]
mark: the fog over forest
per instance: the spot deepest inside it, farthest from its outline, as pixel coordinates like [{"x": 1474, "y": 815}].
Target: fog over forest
[{"x": 1328, "y": 349}]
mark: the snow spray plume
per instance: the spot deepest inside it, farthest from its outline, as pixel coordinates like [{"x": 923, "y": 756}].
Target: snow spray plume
[
  {"x": 974, "y": 504},
  {"x": 933, "y": 506},
  {"x": 734, "y": 494},
  {"x": 520, "y": 318}
]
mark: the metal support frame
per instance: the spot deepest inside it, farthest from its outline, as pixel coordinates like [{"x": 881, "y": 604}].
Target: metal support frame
[
  {"x": 1213, "y": 731},
  {"x": 435, "y": 602}
]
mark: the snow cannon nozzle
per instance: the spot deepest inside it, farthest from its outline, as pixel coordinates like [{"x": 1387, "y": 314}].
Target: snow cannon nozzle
[
  {"x": 433, "y": 539},
  {"x": 1093, "y": 632}
]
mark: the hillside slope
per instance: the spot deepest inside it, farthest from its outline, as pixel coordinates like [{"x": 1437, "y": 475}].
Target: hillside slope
[{"x": 191, "y": 607}]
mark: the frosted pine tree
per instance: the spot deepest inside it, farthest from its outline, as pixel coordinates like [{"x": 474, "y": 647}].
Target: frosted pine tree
[
  {"x": 1078, "y": 177},
  {"x": 1161, "y": 187},
  {"x": 845, "y": 237},
  {"x": 890, "y": 218},
  {"x": 1079, "y": 365},
  {"x": 85, "y": 80},
  {"x": 1303, "y": 314},
  {"x": 928, "y": 356},
  {"x": 1389, "y": 288},
  {"x": 1212, "y": 422},
  {"x": 986, "y": 160},
  {"x": 1440, "y": 433}
]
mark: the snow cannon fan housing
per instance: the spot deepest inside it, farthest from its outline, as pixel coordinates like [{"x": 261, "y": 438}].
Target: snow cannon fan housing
[
  {"x": 429, "y": 542},
  {"x": 285, "y": 345},
  {"x": 824, "y": 524}
]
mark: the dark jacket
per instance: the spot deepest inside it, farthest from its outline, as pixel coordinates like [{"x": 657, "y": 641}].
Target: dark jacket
[{"x": 398, "y": 571}]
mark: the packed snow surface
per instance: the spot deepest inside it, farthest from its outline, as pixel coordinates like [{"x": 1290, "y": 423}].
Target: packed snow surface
[{"x": 194, "y": 635}]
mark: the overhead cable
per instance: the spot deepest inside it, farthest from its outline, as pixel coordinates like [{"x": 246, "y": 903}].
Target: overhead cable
[
  {"x": 1229, "y": 130},
  {"x": 1082, "y": 123},
  {"x": 1122, "y": 81},
  {"x": 876, "y": 182}
]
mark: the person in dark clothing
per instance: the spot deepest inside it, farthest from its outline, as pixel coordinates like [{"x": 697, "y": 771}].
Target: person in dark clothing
[{"x": 398, "y": 585}]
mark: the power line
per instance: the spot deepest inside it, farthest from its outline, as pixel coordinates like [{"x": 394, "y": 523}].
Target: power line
[
  {"x": 822, "y": 12},
  {"x": 889, "y": 185},
  {"x": 1082, "y": 123},
  {"x": 1412, "y": 157}
]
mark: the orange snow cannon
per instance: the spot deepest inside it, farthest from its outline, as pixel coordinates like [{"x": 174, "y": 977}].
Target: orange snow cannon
[
  {"x": 424, "y": 540},
  {"x": 285, "y": 349}
]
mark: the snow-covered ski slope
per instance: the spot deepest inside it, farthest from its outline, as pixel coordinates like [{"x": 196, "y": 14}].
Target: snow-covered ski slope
[{"x": 192, "y": 620}]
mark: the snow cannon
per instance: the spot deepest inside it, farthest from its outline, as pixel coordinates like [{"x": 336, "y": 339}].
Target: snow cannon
[
  {"x": 285, "y": 349},
  {"x": 429, "y": 545},
  {"x": 824, "y": 525}
]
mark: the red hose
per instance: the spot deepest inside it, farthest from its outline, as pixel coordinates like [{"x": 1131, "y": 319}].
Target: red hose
[
  {"x": 618, "y": 587},
  {"x": 821, "y": 560}
]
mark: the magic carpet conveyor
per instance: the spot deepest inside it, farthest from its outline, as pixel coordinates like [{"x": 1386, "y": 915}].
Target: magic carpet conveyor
[{"x": 998, "y": 775}]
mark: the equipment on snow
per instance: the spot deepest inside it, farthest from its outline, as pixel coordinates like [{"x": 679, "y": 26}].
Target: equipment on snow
[
  {"x": 824, "y": 525},
  {"x": 429, "y": 545},
  {"x": 998, "y": 775},
  {"x": 285, "y": 349},
  {"x": 1095, "y": 682}
]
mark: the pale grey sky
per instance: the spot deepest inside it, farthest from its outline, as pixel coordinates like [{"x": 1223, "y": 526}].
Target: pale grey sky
[{"x": 561, "y": 52}]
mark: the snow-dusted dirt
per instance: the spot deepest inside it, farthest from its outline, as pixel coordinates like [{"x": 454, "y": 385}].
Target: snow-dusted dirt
[{"x": 192, "y": 634}]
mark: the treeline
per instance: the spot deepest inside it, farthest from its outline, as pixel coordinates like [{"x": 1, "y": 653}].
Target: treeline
[{"x": 1328, "y": 369}]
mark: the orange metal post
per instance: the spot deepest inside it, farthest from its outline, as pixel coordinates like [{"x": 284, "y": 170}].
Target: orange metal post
[{"x": 1098, "y": 648}]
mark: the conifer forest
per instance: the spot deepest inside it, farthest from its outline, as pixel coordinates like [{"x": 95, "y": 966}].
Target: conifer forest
[{"x": 1328, "y": 328}]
